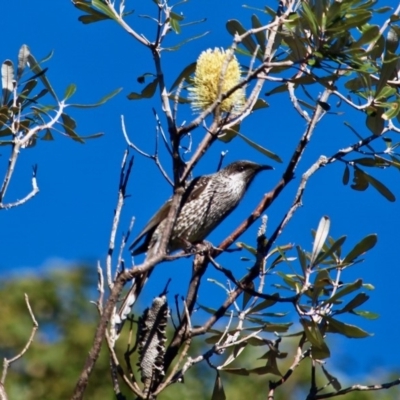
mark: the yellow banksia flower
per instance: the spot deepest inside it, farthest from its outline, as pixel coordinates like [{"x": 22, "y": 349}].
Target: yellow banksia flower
[{"x": 206, "y": 80}]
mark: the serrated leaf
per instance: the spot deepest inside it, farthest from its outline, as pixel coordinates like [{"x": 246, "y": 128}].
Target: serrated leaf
[
  {"x": 259, "y": 148},
  {"x": 7, "y": 80},
  {"x": 367, "y": 243},
  {"x": 350, "y": 331},
  {"x": 100, "y": 102},
  {"x": 22, "y": 60}
]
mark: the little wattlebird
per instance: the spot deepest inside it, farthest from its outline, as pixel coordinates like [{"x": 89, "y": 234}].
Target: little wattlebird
[{"x": 206, "y": 202}]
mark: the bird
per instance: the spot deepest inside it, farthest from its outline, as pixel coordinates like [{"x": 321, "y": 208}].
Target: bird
[{"x": 206, "y": 202}]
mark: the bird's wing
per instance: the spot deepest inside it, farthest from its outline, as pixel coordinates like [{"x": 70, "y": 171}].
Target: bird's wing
[
  {"x": 160, "y": 215},
  {"x": 194, "y": 189}
]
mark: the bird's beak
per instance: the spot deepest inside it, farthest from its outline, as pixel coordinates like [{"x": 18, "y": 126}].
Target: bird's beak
[{"x": 265, "y": 167}]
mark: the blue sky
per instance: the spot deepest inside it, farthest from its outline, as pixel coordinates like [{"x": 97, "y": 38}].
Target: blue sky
[{"x": 70, "y": 219}]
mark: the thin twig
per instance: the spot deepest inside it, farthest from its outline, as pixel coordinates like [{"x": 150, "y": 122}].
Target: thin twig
[
  {"x": 123, "y": 182},
  {"x": 8, "y": 362}
]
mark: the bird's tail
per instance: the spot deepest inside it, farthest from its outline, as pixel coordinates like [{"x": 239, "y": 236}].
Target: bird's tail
[{"x": 130, "y": 300}]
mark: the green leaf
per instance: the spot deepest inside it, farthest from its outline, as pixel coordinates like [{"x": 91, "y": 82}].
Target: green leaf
[
  {"x": 100, "y": 102},
  {"x": 367, "y": 243},
  {"x": 247, "y": 296},
  {"x": 175, "y": 26},
  {"x": 310, "y": 18},
  {"x": 359, "y": 180},
  {"x": 103, "y": 8},
  {"x": 146, "y": 93},
  {"x": 380, "y": 187},
  {"x": 335, "y": 248},
  {"x": 366, "y": 314},
  {"x": 264, "y": 304},
  {"x": 302, "y": 258},
  {"x": 370, "y": 34},
  {"x": 228, "y": 134},
  {"x": 319, "y": 349},
  {"x": 359, "y": 299},
  {"x": 235, "y": 27},
  {"x": 94, "y": 15},
  {"x": 350, "y": 331},
  {"x": 370, "y": 162},
  {"x": 187, "y": 71},
  {"x": 26, "y": 90},
  {"x": 218, "y": 391},
  {"x": 347, "y": 289},
  {"x": 259, "y": 104},
  {"x": 69, "y": 125},
  {"x": 69, "y": 92},
  {"x": 260, "y": 36},
  {"x": 392, "y": 111},
  {"x": 259, "y": 148},
  {"x": 237, "y": 371},
  {"x": 250, "y": 249},
  {"x": 36, "y": 68},
  {"x": 331, "y": 379},
  {"x": 48, "y": 135},
  {"x": 180, "y": 44},
  {"x": 375, "y": 123}
]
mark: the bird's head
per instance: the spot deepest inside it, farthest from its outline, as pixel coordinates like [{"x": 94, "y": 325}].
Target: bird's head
[{"x": 244, "y": 170}]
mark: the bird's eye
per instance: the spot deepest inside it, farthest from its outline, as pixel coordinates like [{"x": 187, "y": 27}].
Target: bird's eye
[{"x": 241, "y": 168}]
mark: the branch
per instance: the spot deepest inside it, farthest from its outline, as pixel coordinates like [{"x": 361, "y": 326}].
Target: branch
[
  {"x": 6, "y": 362},
  {"x": 123, "y": 182},
  {"x": 17, "y": 144},
  {"x": 355, "y": 388},
  {"x": 32, "y": 193}
]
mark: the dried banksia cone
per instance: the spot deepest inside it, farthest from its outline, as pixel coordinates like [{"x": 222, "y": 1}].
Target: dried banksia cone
[{"x": 151, "y": 340}]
